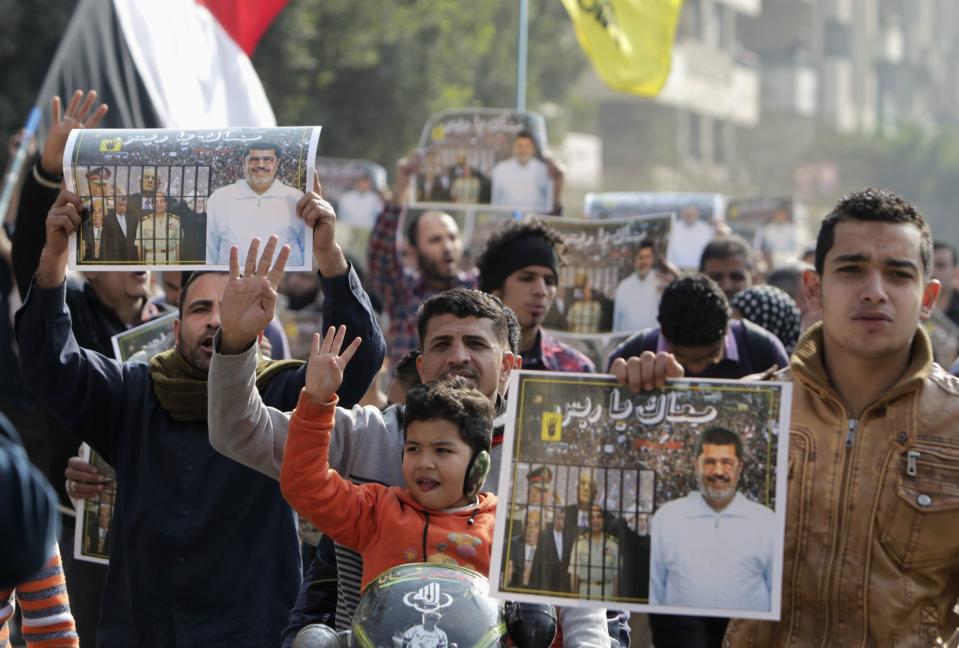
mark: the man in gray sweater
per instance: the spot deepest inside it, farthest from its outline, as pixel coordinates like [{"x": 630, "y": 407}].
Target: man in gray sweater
[{"x": 463, "y": 332}]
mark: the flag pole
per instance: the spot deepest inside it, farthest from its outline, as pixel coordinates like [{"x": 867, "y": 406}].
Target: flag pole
[
  {"x": 521, "y": 55},
  {"x": 9, "y": 183}
]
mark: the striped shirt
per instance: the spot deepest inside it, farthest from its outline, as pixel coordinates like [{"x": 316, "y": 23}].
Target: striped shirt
[
  {"x": 401, "y": 289},
  {"x": 45, "y": 608}
]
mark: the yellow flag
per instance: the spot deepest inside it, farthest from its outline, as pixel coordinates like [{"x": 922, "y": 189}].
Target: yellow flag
[{"x": 630, "y": 42}]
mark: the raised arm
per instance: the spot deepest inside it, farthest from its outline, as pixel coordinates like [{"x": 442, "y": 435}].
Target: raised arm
[
  {"x": 343, "y": 510},
  {"x": 386, "y": 271},
  {"x": 42, "y": 184},
  {"x": 72, "y": 383}
]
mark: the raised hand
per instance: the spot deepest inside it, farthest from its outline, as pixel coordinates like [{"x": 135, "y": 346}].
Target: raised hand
[
  {"x": 249, "y": 301},
  {"x": 77, "y": 115},
  {"x": 63, "y": 219},
  {"x": 321, "y": 218},
  {"x": 324, "y": 371}
]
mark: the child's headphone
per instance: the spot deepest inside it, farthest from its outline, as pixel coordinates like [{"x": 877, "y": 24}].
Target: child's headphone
[{"x": 476, "y": 472}]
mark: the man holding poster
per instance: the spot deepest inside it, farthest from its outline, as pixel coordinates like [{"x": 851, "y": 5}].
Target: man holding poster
[{"x": 255, "y": 207}]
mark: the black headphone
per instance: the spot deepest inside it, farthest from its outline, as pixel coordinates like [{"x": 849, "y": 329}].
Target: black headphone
[{"x": 476, "y": 472}]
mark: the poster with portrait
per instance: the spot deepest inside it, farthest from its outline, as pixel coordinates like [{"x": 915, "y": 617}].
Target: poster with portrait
[
  {"x": 612, "y": 277},
  {"x": 775, "y": 226},
  {"x": 91, "y": 539},
  {"x": 484, "y": 156},
  {"x": 699, "y": 217},
  {"x": 355, "y": 190},
  {"x": 168, "y": 199},
  {"x": 670, "y": 501}
]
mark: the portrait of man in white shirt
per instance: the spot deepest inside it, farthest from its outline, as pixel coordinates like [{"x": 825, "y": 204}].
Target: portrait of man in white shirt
[
  {"x": 256, "y": 206},
  {"x": 713, "y": 548},
  {"x": 637, "y": 296},
  {"x": 523, "y": 180}
]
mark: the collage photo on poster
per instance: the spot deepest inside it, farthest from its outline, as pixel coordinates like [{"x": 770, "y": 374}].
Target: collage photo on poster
[
  {"x": 179, "y": 199},
  {"x": 608, "y": 499}
]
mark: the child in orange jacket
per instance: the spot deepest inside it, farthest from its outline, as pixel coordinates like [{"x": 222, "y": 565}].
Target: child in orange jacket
[{"x": 440, "y": 516}]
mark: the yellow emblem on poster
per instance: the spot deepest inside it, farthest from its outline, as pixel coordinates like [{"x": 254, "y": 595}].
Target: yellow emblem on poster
[
  {"x": 552, "y": 427},
  {"x": 111, "y": 145}
]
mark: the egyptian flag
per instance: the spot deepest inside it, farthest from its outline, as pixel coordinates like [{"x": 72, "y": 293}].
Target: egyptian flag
[{"x": 170, "y": 64}]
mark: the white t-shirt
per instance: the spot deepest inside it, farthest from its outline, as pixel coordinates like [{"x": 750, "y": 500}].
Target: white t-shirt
[
  {"x": 687, "y": 243},
  {"x": 637, "y": 303},
  {"x": 359, "y": 208},
  {"x": 524, "y": 186}
]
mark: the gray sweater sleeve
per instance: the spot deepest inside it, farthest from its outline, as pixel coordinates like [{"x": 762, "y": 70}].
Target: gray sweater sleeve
[
  {"x": 241, "y": 427},
  {"x": 365, "y": 443}
]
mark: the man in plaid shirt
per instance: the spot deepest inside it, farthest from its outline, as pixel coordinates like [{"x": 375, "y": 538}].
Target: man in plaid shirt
[
  {"x": 435, "y": 239},
  {"x": 521, "y": 266}
]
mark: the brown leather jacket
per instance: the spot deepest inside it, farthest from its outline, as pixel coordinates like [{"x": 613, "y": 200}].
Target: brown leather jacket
[{"x": 872, "y": 517}]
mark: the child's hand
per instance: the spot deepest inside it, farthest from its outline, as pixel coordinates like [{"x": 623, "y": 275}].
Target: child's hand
[{"x": 324, "y": 371}]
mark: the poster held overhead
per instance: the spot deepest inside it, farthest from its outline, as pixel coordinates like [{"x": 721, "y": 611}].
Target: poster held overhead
[{"x": 178, "y": 199}]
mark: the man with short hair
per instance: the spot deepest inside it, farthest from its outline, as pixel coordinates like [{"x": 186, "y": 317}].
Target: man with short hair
[
  {"x": 160, "y": 234},
  {"x": 871, "y": 554},
  {"x": 728, "y": 260},
  {"x": 523, "y": 181},
  {"x": 435, "y": 238},
  {"x": 637, "y": 296},
  {"x": 255, "y": 206},
  {"x": 873, "y": 443},
  {"x": 714, "y": 547},
  {"x": 177, "y": 572},
  {"x": 520, "y": 265},
  {"x": 695, "y": 327},
  {"x": 464, "y": 333},
  {"x": 944, "y": 271}
]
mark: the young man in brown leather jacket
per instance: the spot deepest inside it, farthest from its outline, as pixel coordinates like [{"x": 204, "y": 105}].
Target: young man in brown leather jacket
[{"x": 872, "y": 519}]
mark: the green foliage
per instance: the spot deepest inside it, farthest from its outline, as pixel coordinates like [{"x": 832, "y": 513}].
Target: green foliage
[
  {"x": 372, "y": 72},
  {"x": 369, "y": 72},
  {"x": 921, "y": 166}
]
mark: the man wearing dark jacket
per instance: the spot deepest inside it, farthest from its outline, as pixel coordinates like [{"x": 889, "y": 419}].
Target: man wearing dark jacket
[{"x": 205, "y": 550}]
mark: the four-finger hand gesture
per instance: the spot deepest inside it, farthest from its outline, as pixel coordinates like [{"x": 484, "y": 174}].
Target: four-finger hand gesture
[
  {"x": 324, "y": 371},
  {"x": 77, "y": 115},
  {"x": 249, "y": 301}
]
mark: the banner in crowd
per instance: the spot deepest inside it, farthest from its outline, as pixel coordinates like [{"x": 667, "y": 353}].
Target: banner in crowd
[
  {"x": 630, "y": 44},
  {"x": 484, "y": 156},
  {"x": 178, "y": 199},
  {"x": 355, "y": 190},
  {"x": 91, "y": 538},
  {"x": 205, "y": 79},
  {"x": 700, "y": 216},
  {"x": 671, "y": 501},
  {"x": 613, "y": 274},
  {"x": 774, "y": 225}
]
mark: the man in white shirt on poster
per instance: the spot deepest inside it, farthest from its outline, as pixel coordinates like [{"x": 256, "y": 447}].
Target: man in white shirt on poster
[
  {"x": 688, "y": 238},
  {"x": 523, "y": 181},
  {"x": 255, "y": 207},
  {"x": 360, "y": 205},
  {"x": 713, "y": 548},
  {"x": 637, "y": 296}
]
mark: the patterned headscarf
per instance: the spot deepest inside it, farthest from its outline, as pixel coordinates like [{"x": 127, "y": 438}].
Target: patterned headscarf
[{"x": 771, "y": 308}]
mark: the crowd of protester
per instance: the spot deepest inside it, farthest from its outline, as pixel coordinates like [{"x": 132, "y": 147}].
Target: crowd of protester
[{"x": 732, "y": 283}]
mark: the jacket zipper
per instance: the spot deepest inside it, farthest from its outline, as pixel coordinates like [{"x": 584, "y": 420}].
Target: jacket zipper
[
  {"x": 426, "y": 530},
  {"x": 851, "y": 427}
]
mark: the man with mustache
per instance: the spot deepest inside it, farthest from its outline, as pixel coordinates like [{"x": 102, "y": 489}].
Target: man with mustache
[
  {"x": 714, "y": 547},
  {"x": 254, "y": 206},
  {"x": 435, "y": 239}
]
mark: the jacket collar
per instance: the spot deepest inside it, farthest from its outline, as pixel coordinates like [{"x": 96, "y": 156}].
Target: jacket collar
[{"x": 807, "y": 364}]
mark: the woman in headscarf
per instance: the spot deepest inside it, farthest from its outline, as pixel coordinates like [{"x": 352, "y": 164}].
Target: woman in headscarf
[{"x": 771, "y": 308}]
